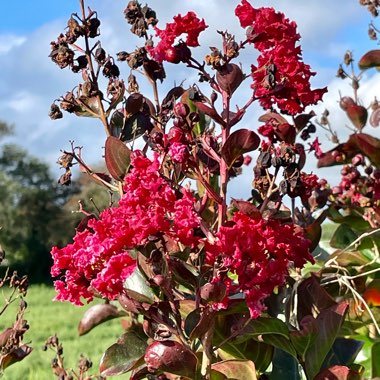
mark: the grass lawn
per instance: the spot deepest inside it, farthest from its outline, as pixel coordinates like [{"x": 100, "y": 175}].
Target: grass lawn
[{"x": 46, "y": 318}]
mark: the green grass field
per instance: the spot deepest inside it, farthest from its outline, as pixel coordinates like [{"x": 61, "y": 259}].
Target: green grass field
[{"x": 46, "y": 318}]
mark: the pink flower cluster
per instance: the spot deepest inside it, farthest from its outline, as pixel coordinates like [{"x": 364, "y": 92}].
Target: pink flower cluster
[
  {"x": 189, "y": 24},
  {"x": 98, "y": 259},
  {"x": 280, "y": 77},
  {"x": 260, "y": 252}
]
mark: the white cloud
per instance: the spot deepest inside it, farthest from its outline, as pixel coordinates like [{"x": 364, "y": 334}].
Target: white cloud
[{"x": 9, "y": 41}]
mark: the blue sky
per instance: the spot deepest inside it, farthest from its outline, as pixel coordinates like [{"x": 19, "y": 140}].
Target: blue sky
[
  {"x": 29, "y": 81},
  {"x": 22, "y": 17}
]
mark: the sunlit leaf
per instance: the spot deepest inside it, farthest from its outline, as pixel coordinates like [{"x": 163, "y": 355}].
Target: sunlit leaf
[
  {"x": 328, "y": 324},
  {"x": 122, "y": 356},
  {"x": 370, "y": 59},
  {"x": 117, "y": 157},
  {"x": 137, "y": 287},
  {"x": 96, "y": 315},
  {"x": 269, "y": 330},
  {"x": 238, "y": 143},
  {"x": 236, "y": 369}
]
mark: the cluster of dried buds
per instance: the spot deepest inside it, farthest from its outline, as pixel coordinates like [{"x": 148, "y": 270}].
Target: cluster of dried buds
[
  {"x": 140, "y": 18},
  {"x": 372, "y": 6},
  {"x": 57, "y": 363},
  {"x": 65, "y": 162},
  {"x": 62, "y": 53},
  {"x": 12, "y": 347},
  {"x": 87, "y": 99},
  {"x": 359, "y": 188}
]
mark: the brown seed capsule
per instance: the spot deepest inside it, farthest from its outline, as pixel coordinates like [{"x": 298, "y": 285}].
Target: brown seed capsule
[{"x": 55, "y": 112}]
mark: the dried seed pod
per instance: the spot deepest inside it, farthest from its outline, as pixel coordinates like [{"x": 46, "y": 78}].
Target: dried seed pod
[{"x": 55, "y": 112}]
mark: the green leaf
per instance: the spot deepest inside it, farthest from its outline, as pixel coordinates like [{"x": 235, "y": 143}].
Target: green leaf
[
  {"x": 329, "y": 322},
  {"x": 305, "y": 337},
  {"x": 285, "y": 366},
  {"x": 268, "y": 330},
  {"x": 343, "y": 352},
  {"x": 375, "y": 360},
  {"x": 96, "y": 315},
  {"x": 238, "y": 143},
  {"x": 118, "y": 157},
  {"x": 343, "y": 237},
  {"x": 216, "y": 375},
  {"x": 258, "y": 352},
  {"x": 135, "y": 126},
  {"x": 137, "y": 288},
  {"x": 116, "y": 123},
  {"x": 236, "y": 369},
  {"x": 124, "y": 355}
]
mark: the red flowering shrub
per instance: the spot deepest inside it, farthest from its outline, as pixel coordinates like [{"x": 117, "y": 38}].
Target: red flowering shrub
[
  {"x": 198, "y": 261},
  {"x": 98, "y": 259},
  {"x": 280, "y": 77},
  {"x": 189, "y": 24},
  {"x": 260, "y": 252}
]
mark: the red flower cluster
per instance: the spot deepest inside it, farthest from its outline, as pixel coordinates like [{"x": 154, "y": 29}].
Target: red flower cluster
[
  {"x": 189, "y": 24},
  {"x": 281, "y": 77},
  {"x": 260, "y": 253},
  {"x": 309, "y": 183},
  {"x": 98, "y": 259}
]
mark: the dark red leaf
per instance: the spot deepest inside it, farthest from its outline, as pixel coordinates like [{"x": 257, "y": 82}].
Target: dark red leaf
[
  {"x": 96, "y": 315},
  {"x": 14, "y": 356},
  {"x": 358, "y": 115},
  {"x": 302, "y": 120},
  {"x": 229, "y": 78},
  {"x": 272, "y": 115},
  {"x": 124, "y": 355},
  {"x": 118, "y": 157},
  {"x": 246, "y": 207},
  {"x": 210, "y": 111},
  {"x": 370, "y": 59},
  {"x": 238, "y": 143},
  {"x": 338, "y": 372}
]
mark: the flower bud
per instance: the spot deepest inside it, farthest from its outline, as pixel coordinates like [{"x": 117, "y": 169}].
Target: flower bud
[
  {"x": 170, "y": 356},
  {"x": 175, "y": 134},
  {"x": 172, "y": 55},
  {"x": 194, "y": 117},
  {"x": 181, "y": 110},
  {"x": 358, "y": 160},
  {"x": 184, "y": 52}
]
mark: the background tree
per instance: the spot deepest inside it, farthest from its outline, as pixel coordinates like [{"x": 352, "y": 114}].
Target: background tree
[{"x": 32, "y": 212}]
